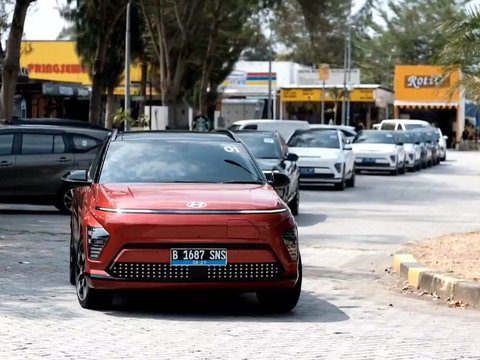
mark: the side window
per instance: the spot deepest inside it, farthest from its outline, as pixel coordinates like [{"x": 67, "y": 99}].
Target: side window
[
  {"x": 94, "y": 167},
  {"x": 387, "y": 126},
  {"x": 6, "y": 144},
  {"x": 251, "y": 127},
  {"x": 38, "y": 144},
  {"x": 283, "y": 145},
  {"x": 84, "y": 143},
  {"x": 342, "y": 139}
]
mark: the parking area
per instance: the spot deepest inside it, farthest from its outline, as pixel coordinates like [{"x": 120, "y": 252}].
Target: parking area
[{"x": 347, "y": 308}]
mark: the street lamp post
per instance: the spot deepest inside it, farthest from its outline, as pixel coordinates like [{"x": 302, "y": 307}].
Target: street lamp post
[
  {"x": 269, "y": 101},
  {"x": 127, "y": 64}
]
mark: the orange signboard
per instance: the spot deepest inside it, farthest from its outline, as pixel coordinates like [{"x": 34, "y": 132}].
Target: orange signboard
[{"x": 425, "y": 83}]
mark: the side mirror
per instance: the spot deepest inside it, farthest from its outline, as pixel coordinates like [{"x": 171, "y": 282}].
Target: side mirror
[
  {"x": 347, "y": 146},
  {"x": 279, "y": 179},
  {"x": 76, "y": 178},
  {"x": 291, "y": 157}
]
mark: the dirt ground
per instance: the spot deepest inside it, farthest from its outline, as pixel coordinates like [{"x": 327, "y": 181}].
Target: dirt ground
[{"x": 458, "y": 254}]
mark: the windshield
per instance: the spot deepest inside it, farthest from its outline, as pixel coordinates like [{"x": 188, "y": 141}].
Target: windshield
[
  {"x": 319, "y": 139},
  {"x": 405, "y": 138},
  {"x": 260, "y": 145},
  {"x": 375, "y": 137},
  {"x": 170, "y": 161}
]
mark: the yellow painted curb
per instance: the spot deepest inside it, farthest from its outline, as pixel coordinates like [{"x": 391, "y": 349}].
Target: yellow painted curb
[
  {"x": 398, "y": 259},
  {"x": 414, "y": 275}
]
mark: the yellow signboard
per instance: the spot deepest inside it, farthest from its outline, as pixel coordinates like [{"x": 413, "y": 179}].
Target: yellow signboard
[
  {"x": 324, "y": 72},
  {"x": 331, "y": 94},
  {"x": 58, "y": 61}
]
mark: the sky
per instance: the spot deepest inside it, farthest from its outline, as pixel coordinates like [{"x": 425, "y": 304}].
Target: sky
[{"x": 45, "y": 23}]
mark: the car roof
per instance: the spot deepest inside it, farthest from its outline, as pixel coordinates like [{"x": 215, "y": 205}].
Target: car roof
[
  {"x": 215, "y": 136},
  {"x": 303, "y": 131},
  {"x": 255, "y": 132},
  {"x": 326, "y": 126},
  {"x": 266, "y": 121},
  {"x": 56, "y": 121},
  {"x": 50, "y": 128},
  {"x": 374, "y": 131},
  {"x": 404, "y": 121}
]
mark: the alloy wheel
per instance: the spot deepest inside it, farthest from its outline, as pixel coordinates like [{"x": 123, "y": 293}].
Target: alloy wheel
[
  {"x": 81, "y": 281},
  {"x": 68, "y": 199}
]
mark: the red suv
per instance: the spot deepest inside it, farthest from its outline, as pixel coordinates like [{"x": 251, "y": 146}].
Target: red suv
[{"x": 181, "y": 210}]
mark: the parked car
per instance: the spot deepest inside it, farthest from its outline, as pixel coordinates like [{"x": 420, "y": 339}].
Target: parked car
[
  {"x": 324, "y": 157},
  {"x": 442, "y": 144},
  {"x": 272, "y": 155},
  {"x": 403, "y": 124},
  {"x": 379, "y": 150},
  {"x": 181, "y": 210},
  {"x": 412, "y": 148},
  {"x": 57, "y": 122},
  {"x": 285, "y": 127},
  {"x": 348, "y": 131},
  {"x": 425, "y": 150},
  {"x": 33, "y": 160}
]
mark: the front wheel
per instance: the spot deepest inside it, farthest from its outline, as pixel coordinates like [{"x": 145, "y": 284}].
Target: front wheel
[
  {"x": 282, "y": 300},
  {"x": 351, "y": 182},
  {"x": 88, "y": 297},
  {"x": 64, "y": 200}
]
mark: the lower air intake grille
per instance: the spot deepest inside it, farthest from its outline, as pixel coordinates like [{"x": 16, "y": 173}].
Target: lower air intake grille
[{"x": 167, "y": 273}]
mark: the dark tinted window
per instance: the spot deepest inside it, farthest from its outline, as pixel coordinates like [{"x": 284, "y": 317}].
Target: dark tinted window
[
  {"x": 84, "y": 143},
  {"x": 234, "y": 127},
  {"x": 168, "y": 161},
  {"x": 6, "y": 144},
  {"x": 388, "y": 126},
  {"x": 413, "y": 126},
  {"x": 251, "y": 127},
  {"x": 375, "y": 137},
  {"x": 322, "y": 139},
  {"x": 38, "y": 144},
  {"x": 261, "y": 146}
]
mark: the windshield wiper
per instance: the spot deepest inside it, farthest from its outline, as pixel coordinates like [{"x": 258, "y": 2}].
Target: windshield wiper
[
  {"x": 233, "y": 162},
  {"x": 243, "y": 182}
]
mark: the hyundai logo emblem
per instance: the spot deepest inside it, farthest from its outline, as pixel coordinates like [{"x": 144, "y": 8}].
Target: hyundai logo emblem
[{"x": 196, "y": 205}]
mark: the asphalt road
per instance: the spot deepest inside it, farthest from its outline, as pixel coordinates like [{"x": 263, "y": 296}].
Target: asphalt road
[{"x": 348, "y": 309}]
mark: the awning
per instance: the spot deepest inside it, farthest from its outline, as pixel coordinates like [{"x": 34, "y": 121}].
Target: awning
[
  {"x": 65, "y": 90},
  {"x": 425, "y": 105}
]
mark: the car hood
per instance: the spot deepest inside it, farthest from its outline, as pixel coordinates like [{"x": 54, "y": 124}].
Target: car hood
[
  {"x": 326, "y": 153},
  {"x": 373, "y": 148},
  {"x": 268, "y": 164},
  {"x": 187, "y": 197}
]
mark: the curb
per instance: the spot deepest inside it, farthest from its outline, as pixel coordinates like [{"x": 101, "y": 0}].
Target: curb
[{"x": 446, "y": 286}]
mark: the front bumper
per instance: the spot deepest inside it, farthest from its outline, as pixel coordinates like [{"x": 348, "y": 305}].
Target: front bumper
[
  {"x": 375, "y": 162},
  {"x": 324, "y": 171}
]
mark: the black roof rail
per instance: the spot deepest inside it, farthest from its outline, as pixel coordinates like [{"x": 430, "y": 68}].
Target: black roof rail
[{"x": 229, "y": 133}]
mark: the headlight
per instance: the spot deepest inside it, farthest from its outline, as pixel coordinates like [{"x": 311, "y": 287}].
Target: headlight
[
  {"x": 290, "y": 238},
  {"x": 97, "y": 238},
  {"x": 393, "y": 158},
  {"x": 338, "y": 167}
]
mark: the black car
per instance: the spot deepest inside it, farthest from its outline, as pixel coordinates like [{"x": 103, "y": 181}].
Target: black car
[
  {"x": 271, "y": 153},
  {"x": 33, "y": 159}
]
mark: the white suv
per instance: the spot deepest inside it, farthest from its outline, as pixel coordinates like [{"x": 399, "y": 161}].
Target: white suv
[{"x": 403, "y": 124}]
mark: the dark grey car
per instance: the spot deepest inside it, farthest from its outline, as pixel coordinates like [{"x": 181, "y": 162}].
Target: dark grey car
[{"x": 34, "y": 158}]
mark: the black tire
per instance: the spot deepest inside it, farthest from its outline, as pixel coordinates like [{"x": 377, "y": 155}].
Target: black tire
[
  {"x": 72, "y": 263},
  {"x": 342, "y": 184},
  {"x": 418, "y": 167},
  {"x": 282, "y": 300},
  {"x": 294, "y": 204},
  {"x": 64, "y": 198},
  {"x": 402, "y": 169},
  {"x": 395, "y": 172},
  {"x": 351, "y": 182},
  {"x": 88, "y": 297}
]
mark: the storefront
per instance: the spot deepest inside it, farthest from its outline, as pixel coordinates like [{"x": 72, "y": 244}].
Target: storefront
[
  {"x": 424, "y": 92},
  {"x": 368, "y": 104}
]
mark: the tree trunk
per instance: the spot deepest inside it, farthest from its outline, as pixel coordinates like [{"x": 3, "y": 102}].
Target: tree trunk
[
  {"x": 11, "y": 65},
  {"x": 143, "y": 88},
  {"x": 110, "y": 108}
]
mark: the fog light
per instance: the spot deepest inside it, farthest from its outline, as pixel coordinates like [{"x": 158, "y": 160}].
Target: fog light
[
  {"x": 290, "y": 238},
  {"x": 411, "y": 156},
  {"x": 393, "y": 158},
  {"x": 338, "y": 167},
  {"x": 97, "y": 238}
]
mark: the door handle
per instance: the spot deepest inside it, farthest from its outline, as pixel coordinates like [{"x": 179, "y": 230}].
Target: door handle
[
  {"x": 63, "y": 160},
  {"x": 5, "y": 163}
]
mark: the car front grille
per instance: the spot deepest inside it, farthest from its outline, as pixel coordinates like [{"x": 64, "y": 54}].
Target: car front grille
[{"x": 161, "y": 272}]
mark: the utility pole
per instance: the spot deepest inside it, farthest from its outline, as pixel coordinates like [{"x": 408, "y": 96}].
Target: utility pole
[
  {"x": 345, "y": 65},
  {"x": 269, "y": 102},
  {"x": 127, "y": 64},
  {"x": 349, "y": 71}
]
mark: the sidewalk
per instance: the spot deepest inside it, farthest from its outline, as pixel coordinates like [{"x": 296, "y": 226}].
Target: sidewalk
[{"x": 447, "y": 267}]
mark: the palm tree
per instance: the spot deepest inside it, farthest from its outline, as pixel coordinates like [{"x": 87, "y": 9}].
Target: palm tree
[{"x": 462, "y": 50}]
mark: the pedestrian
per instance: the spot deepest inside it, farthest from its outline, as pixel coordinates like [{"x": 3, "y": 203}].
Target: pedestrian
[{"x": 465, "y": 136}]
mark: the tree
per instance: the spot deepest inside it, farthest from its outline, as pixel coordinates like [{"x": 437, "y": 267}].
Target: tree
[
  {"x": 312, "y": 32},
  {"x": 461, "y": 50},
  {"x": 11, "y": 58},
  {"x": 172, "y": 26},
  {"x": 407, "y": 34},
  {"x": 95, "y": 21}
]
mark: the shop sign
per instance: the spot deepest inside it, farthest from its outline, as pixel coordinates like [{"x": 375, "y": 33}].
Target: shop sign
[
  {"x": 315, "y": 95},
  {"x": 56, "y": 68},
  {"x": 289, "y": 95},
  {"x": 429, "y": 81}
]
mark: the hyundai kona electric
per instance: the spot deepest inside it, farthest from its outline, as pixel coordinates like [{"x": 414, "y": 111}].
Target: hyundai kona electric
[{"x": 181, "y": 210}]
